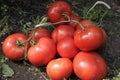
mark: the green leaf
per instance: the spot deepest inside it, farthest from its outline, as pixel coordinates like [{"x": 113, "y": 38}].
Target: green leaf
[{"x": 7, "y": 71}]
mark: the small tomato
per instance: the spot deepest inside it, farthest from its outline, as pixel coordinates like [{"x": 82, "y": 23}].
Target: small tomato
[
  {"x": 62, "y": 31},
  {"x": 59, "y": 69},
  {"x": 66, "y": 48},
  {"x": 13, "y": 48}
]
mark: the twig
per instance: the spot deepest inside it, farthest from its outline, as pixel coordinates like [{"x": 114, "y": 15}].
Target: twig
[{"x": 99, "y": 2}]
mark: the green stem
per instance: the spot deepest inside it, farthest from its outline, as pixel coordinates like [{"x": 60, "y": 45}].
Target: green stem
[
  {"x": 65, "y": 21},
  {"x": 44, "y": 20},
  {"x": 44, "y": 23},
  {"x": 79, "y": 24},
  {"x": 50, "y": 24},
  {"x": 99, "y": 2},
  {"x": 100, "y": 23}
]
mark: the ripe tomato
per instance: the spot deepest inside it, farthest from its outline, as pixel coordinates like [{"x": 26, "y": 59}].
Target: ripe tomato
[
  {"x": 85, "y": 23},
  {"x": 89, "y": 66},
  {"x": 57, "y": 10},
  {"x": 90, "y": 39},
  {"x": 62, "y": 31},
  {"x": 40, "y": 32},
  {"x": 12, "y": 47},
  {"x": 41, "y": 53},
  {"x": 66, "y": 48},
  {"x": 60, "y": 68},
  {"x": 74, "y": 17}
]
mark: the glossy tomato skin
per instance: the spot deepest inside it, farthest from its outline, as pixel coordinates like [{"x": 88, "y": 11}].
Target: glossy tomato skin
[
  {"x": 59, "y": 68},
  {"x": 62, "y": 31},
  {"x": 90, "y": 39},
  {"x": 41, "y": 53},
  {"x": 66, "y": 48},
  {"x": 76, "y": 18},
  {"x": 11, "y": 49},
  {"x": 40, "y": 32},
  {"x": 57, "y": 9},
  {"x": 89, "y": 66},
  {"x": 85, "y": 23}
]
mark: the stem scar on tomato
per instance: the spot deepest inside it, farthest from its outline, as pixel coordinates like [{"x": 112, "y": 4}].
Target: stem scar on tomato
[{"x": 19, "y": 43}]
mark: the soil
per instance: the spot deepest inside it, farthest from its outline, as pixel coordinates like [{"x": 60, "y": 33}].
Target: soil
[
  {"x": 24, "y": 72},
  {"x": 111, "y": 53}
]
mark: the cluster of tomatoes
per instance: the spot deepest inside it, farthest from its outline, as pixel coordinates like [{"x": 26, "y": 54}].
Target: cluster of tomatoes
[{"x": 73, "y": 39}]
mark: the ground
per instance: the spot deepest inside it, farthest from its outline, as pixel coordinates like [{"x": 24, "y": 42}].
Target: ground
[{"x": 111, "y": 53}]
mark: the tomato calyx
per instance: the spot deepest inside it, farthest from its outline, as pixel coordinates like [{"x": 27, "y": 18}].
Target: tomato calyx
[{"x": 19, "y": 43}]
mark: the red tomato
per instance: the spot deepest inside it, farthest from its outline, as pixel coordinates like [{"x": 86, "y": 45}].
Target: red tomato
[
  {"x": 62, "y": 31},
  {"x": 90, "y": 39},
  {"x": 85, "y": 24},
  {"x": 57, "y": 10},
  {"x": 74, "y": 17},
  {"x": 66, "y": 48},
  {"x": 12, "y": 48},
  {"x": 60, "y": 68},
  {"x": 89, "y": 66},
  {"x": 41, "y": 53},
  {"x": 40, "y": 32}
]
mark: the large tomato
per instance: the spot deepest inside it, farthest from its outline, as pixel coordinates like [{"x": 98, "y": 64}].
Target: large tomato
[
  {"x": 89, "y": 66},
  {"x": 40, "y": 32},
  {"x": 58, "y": 10},
  {"x": 41, "y": 53},
  {"x": 90, "y": 39},
  {"x": 59, "y": 69},
  {"x": 62, "y": 31},
  {"x": 66, "y": 48},
  {"x": 13, "y": 48}
]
